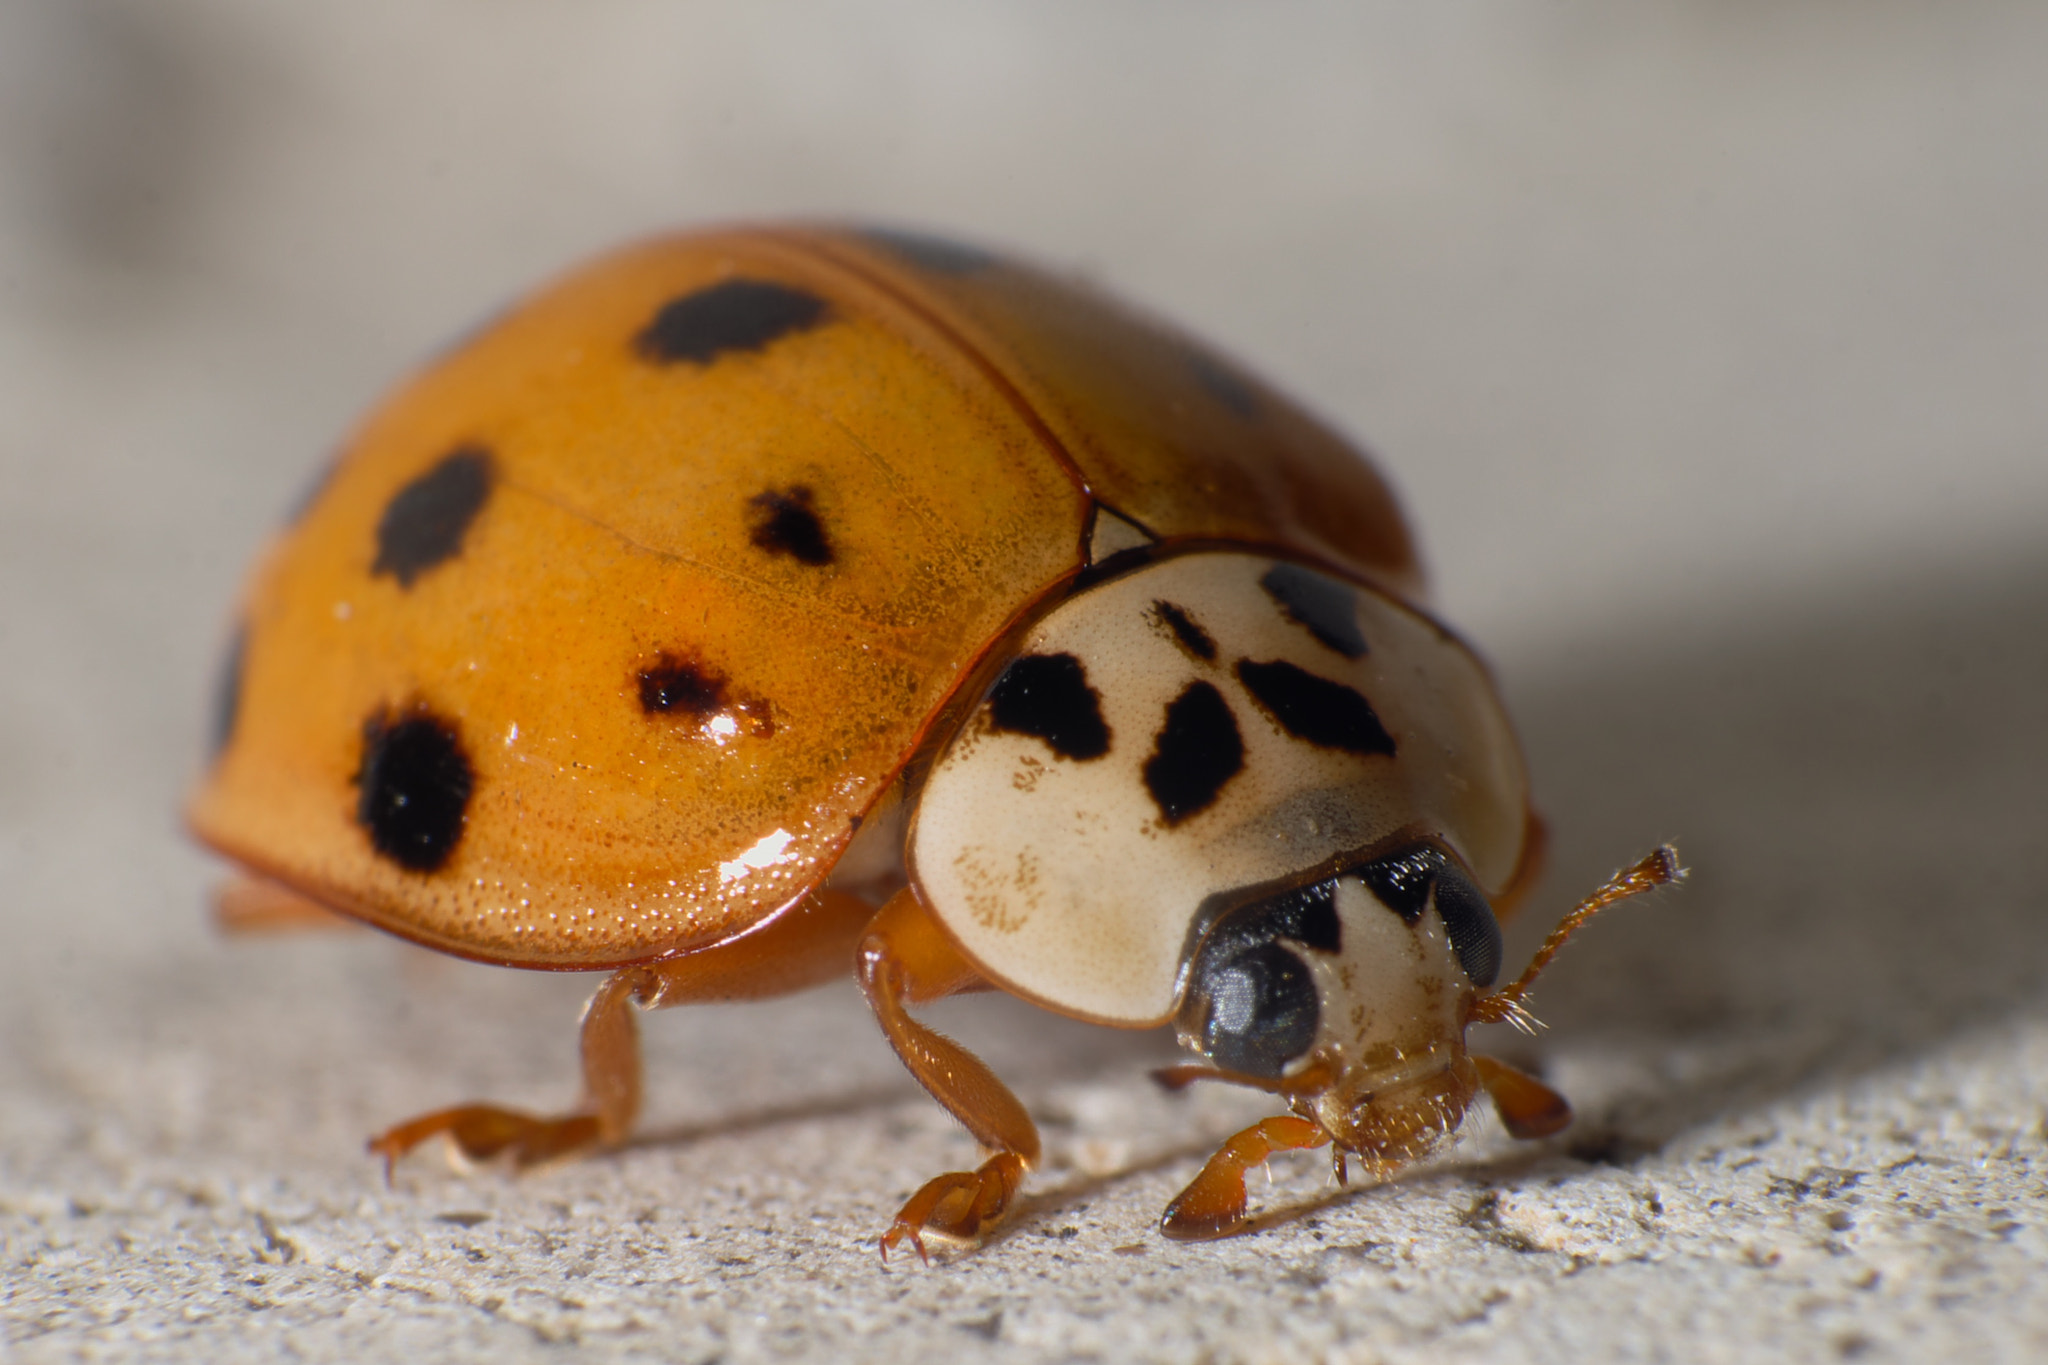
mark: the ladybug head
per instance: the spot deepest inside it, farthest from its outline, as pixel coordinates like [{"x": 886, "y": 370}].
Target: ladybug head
[{"x": 1350, "y": 997}]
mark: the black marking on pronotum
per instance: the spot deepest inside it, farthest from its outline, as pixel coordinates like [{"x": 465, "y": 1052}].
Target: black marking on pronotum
[
  {"x": 227, "y": 690},
  {"x": 1410, "y": 881},
  {"x": 425, "y": 521},
  {"x": 1316, "y": 709},
  {"x": 676, "y": 684},
  {"x": 1186, "y": 630},
  {"x": 1196, "y": 752},
  {"x": 1321, "y": 605},
  {"x": 1047, "y": 696},
  {"x": 940, "y": 255},
  {"x": 726, "y": 318},
  {"x": 413, "y": 788},
  {"x": 786, "y": 523}
]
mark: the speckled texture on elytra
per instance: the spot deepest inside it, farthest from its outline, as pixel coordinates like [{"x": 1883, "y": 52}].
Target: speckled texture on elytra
[{"x": 1702, "y": 340}]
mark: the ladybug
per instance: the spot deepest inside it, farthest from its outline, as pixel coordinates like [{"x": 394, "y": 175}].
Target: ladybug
[{"x": 755, "y": 606}]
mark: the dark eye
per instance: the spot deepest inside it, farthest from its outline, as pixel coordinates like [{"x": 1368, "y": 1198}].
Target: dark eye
[
  {"x": 1250, "y": 1003},
  {"x": 1468, "y": 919},
  {"x": 1253, "y": 1010}
]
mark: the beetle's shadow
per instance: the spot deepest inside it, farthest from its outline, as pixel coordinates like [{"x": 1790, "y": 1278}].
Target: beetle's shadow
[
  {"x": 1858, "y": 788},
  {"x": 740, "y": 1123}
]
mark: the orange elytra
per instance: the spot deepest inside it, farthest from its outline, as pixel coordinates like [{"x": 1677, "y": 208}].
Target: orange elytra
[{"x": 755, "y": 606}]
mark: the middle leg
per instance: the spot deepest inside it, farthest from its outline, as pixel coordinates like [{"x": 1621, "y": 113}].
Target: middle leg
[{"x": 906, "y": 959}]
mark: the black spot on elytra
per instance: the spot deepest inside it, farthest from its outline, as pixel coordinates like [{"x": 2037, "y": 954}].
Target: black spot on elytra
[
  {"x": 424, "y": 523},
  {"x": 675, "y": 684},
  {"x": 413, "y": 788},
  {"x": 227, "y": 690},
  {"x": 1196, "y": 752},
  {"x": 786, "y": 523},
  {"x": 1186, "y": 630},
  {"x": 1320, "y": 604},
  {"x": 1407, "y": 882},
  {"x": 727, "y": 318},
  {"x": 940, "y": 255},
  {"x": 1322, "y": 712},
  {"x": 1223, "y": 384},
  {"x": 1047, "y": 696}
]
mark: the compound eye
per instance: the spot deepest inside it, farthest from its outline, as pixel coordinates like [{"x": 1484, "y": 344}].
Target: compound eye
[
  {"x": 1256, "y": 1009},
  {"x": 1468, "y": 919}
]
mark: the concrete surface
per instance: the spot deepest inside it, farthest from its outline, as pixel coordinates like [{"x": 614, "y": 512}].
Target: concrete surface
[{"x": 1706, "y": 340}]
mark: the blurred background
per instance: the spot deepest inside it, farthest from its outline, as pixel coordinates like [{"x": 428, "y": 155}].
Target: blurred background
[{"x": 1705, "y": 340}]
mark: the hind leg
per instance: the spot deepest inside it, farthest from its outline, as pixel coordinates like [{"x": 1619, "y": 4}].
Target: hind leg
[{"x": 811, "y": 944}]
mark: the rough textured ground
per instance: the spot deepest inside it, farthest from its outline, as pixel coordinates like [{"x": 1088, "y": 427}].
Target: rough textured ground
[{"x": 1706, "y": 341}]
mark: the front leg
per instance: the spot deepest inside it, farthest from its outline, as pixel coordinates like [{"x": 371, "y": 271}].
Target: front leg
[
  {"x": 905, "y": 959},
  {"x": 1528, "y": 1108},
  {"x": 1213, "y": 1204}
]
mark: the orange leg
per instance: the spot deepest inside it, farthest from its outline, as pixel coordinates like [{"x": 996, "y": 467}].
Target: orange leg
[
  {"x": 906, "y": 959},
  {"x": 1528, "y": 1108},
  {"x": 1213, "y": 1204},
  {"x": 809, "y": 945},
  {"x": 611, "y": 1083}
]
